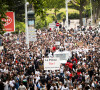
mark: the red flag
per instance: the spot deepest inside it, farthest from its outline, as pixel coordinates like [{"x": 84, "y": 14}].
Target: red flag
[
  {"x": 0, "y": 61},
  {"x": 70, "y": 75},
  {"x": 70, "y": 65},
  {"x": 50, "y": 29},
  {"x": 16, "y": 61},
  {"x": 54, "y": 48},
  {"x": 78, "y": 73},
  {"x": 74, "y": 60},
  {"x": 67, "y": 63}
]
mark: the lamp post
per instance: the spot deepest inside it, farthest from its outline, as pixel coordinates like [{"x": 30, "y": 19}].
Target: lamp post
[
  {"x": 91, "y": 10},
  {"x": 67, "y": 1},
  {"x": 26, "y": 28}
]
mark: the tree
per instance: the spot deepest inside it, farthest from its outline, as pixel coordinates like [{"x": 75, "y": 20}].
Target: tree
[
  {"x": 19, "y": 26},
  {"x": 3, "y": 9},
  {"x": 56, "y": 5},
  {"x": 79, "y": 5},
  {"x": 39, "y": 7},
  {"x": 96, "y": 8},
  {"x": 17, "y": 6}
]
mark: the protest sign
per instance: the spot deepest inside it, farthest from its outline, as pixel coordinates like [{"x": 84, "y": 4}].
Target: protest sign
[{"x": 51, "y": 64}]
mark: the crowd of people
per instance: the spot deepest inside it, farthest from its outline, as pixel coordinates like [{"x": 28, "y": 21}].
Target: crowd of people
[{"x": 22, "y": 68}]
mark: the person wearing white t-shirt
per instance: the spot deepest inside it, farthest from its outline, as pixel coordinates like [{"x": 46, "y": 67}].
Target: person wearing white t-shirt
[
  {"x": 93, "y": 85},
  {"x": 22, "y": 87},
  {"x": 11, "y": 83},
  {"x": 61, "y": 86},
  {"x": 80, "y": 86},
  {"x": 51, "y": 88},
  {"x": 37, "y": 78},
  {"x": 68, "y": 73},
  {"x": 61, "y": 70},
  {"x": 6, "y": 85},
  {"x": 65, "y": 88},
  {"x": 87, "y": 78},
  {"x": 37, "y": 72}
]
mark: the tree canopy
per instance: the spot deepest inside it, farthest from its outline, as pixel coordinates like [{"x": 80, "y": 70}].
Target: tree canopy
[
  {"x": 41, "y": 6},
  {"x": 55, "y": 4},
  {"x": 79, "y": 5},
  {"x": 96, "y": 8},
  {"x": 3, "y": 9}
]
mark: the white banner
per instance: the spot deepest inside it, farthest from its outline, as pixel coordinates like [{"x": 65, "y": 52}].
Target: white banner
[
  {"x": 57, "y": 43},
  {"x": 63, "y": 56},
  {"x": 52, "y": 25},
  {"x": 65, "y": 44},
  {"x": 84, "y": 21},
  {"x": 51, "y": 64}
]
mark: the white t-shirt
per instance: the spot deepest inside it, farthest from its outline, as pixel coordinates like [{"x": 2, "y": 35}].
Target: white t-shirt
[
  {"x": 6, "y": 70},
  {"x": 6, "y": 85},
  {"x": 86, "y": 78},
  {"x": 93, "y": 85},
  {"x": 62, "y": 88},
  {"x": 50, "y": 55},
  {"x": 37, "y": 79},
  {"x": 12, "y": 83},
  {"x": 61, "y": 70},
  {"x": 65, "y": 88},
  {"x": 51, "y": 88},
  {"x": 37, "y": 72},
  {"x": 79, "y": 62},
  {"x": 80, "y": 86},
  {"x": 68, "y": 72},
  {"x": 22, "y": 87}
]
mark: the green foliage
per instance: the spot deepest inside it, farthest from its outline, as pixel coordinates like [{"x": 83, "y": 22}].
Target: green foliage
[
  {"x": 49, "y": 20},
  {"x": 39, "y": 7},
  {"x": 96, "y": 8},
  {"x": 96, "y": 3},
  {"x": 56, "y": 5},
  {"x": 13, "y": 5},
  {"x": 39, "y": 23},
  {"x": 17, "y": 6},
  {"x": 80, "y": 5},
  {"x": 2, "y": 32},
  {"x": 19, "y": 27},
  {"x": 62, "y": 15},
  {"x": 3, "y": 9},
  {"x": 73, "y": 16}
]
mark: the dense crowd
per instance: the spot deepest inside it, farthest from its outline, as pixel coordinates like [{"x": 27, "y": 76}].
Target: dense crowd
[{"x": 22, "y": 68}]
